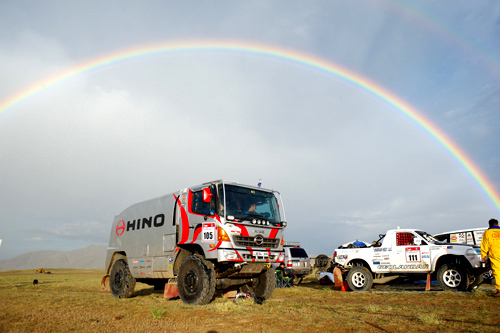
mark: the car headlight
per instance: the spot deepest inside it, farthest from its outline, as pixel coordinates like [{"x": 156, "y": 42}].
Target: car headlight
[{"x": 470, "y": 253}]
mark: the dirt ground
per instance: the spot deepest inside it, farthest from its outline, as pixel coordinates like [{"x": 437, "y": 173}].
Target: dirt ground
[{"x": 70, "y": 300}]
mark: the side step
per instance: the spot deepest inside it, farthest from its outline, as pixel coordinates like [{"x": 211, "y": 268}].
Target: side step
[{"x": 385, "y": 279}]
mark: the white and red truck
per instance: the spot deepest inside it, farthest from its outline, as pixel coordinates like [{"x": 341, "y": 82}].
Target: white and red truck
[
  {"x": 217, "y": 235},
  {"x": 410, "y": 253}
]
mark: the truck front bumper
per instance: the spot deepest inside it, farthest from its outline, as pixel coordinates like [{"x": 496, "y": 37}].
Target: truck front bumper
[{"x": 244, "y": 255}]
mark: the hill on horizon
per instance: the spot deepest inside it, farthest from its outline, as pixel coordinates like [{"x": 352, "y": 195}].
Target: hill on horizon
[{"x": 90, "y": 257}]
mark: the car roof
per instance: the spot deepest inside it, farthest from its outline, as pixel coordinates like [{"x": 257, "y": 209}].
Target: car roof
[{"x": 461, "y": 230}]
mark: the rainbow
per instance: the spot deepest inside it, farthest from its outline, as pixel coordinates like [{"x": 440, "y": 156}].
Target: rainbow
[{"x": 293, "y": 57}]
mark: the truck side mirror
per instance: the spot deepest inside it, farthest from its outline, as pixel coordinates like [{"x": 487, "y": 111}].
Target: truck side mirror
[{"x": 207, "y": 195}]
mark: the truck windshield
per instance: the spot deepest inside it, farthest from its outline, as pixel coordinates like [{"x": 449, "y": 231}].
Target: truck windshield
[{"x": 247, "y": 204}]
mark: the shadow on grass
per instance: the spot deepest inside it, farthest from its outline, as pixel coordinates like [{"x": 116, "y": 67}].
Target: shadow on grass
[{"x": 151, "y": 291}]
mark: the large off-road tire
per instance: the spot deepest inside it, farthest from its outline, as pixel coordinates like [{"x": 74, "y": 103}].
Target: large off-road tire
[
  {"x": 359, "y": 278},
  {"x": 196, "y": 281},
  {"x": 452, "y": 277},
  {"x": 121, "y": 281},
  {"x": 263, "y": 286}
]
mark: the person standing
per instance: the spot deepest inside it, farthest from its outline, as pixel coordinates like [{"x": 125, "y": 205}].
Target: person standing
[{"x": 490, "y": 245}]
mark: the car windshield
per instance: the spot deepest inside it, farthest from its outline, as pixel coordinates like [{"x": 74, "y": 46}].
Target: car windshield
[
  {"x": 248, "y": 203},
  {"x": 427, "y": 237}
]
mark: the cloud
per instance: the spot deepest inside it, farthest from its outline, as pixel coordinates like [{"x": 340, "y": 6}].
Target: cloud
[
  {"x": 35, "y": 239},
  {"x": 92, "y": 231},
  {"x": 79, "y": 152}
]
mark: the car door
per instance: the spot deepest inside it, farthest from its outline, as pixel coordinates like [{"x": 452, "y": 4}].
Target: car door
[{"x": 411, "y": 254}]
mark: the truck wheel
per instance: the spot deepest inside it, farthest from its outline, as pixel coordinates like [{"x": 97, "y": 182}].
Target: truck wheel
[
  {"x": 196, "y": 281},
  {"x": 121, "y": 281},
  {"x": 262, "y": 286},
  {"x": 452, "y": 277},
  {"x": 359, "y": 279}
]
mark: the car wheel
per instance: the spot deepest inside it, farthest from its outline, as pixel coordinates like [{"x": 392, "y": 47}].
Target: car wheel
[
  {"x": 359, "y": 278},
  {"x": 452, "y": 277}
]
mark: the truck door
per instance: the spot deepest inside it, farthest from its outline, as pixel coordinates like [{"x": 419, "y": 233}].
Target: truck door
[
  {"x": 196, "y": 213},
  {"x": 164, "y": 244},
  {"x": 169, "y": 229},
  {"x": 412, "y": 253}
]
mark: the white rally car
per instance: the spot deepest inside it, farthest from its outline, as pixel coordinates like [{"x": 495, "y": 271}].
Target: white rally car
[{"x": 410, "y": 252}]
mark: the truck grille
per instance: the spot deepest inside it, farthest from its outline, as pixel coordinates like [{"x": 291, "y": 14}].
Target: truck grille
[{"x": 267, "y": 243}]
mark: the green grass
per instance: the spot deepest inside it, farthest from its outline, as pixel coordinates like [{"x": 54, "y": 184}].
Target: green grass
[{"x": 70, "y": 300}]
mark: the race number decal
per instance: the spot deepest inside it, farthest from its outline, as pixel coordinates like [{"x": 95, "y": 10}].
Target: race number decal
[
  {"x": 412, "y": 254},
  {"x": 208, "y": 232}
]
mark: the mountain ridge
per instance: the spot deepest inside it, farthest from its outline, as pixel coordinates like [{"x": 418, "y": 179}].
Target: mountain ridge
[{"x": 90, "y": 257}]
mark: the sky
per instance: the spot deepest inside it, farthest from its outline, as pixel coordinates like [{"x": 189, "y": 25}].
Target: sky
[{"x": 79, "y": 146}]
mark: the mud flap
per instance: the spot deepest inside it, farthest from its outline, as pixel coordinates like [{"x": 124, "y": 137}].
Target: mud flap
[
  {"x": 105, "y": 283},
  {"x": 171, "y": 290},
  {"x": 337, "y": 276},
  {"x": 230, "y": 292}
]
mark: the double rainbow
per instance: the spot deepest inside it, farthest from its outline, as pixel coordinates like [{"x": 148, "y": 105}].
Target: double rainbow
[{"x": 291, "y": 56}]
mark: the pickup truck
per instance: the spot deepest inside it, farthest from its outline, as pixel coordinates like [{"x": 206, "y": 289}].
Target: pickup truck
[{"x": 413, "y": 254}]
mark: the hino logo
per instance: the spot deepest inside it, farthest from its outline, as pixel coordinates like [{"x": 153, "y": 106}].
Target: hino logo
[
  {"x": 156, "y": 221},
  {"x": 258, "y": 240}
]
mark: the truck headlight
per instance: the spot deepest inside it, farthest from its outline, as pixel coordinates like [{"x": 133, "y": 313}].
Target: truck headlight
[{"x": 230, "y": 255}]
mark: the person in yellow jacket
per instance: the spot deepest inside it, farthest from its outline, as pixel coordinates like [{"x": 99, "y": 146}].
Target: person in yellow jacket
[{"x": 490, "y": 245}]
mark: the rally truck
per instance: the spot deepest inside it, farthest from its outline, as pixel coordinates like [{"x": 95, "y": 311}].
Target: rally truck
[
  {"x": 412, "y": 254},
  {"x": 220, "y": 235}
]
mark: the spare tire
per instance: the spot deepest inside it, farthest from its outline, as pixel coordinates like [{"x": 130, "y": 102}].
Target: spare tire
[{"x": 322, "y": 262}]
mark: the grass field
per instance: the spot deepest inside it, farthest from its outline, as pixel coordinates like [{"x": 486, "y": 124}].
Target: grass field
[{"x": 70, "y": 300}]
